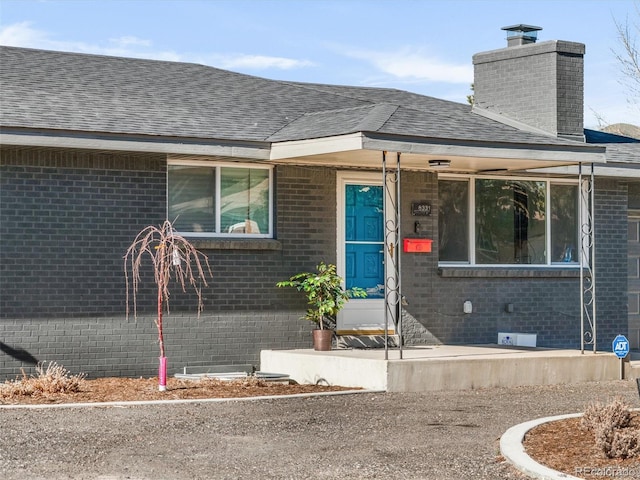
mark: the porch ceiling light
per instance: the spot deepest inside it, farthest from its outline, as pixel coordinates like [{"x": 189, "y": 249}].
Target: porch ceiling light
[{"x": 440, "y": 163}]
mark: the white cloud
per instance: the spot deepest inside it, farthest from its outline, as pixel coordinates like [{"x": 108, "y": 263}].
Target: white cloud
[
  {"x": 261, "y": 62},
  {"x": 130, "y": 40},
  {"x": 410, "y": 64},
  {"x": 23, "y": 34}
]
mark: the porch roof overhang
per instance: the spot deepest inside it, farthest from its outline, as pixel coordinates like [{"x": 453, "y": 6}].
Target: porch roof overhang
[
  {"x": 363, "y": 150},
  {"x": 353, "y": 150}
]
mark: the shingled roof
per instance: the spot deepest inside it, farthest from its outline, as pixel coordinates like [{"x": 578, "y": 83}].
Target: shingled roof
[{"x": 59, "y": 91}]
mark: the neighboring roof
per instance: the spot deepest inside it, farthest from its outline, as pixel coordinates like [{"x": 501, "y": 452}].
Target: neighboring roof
[
  {"x": 622, "y": 155},
  {"x": 57, "y": 91},
  {"x": 620, "y": 149},
  {"x": 598, "y": 136}
]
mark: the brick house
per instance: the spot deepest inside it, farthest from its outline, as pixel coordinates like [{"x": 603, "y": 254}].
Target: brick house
[{"x": 268, "y": 178}]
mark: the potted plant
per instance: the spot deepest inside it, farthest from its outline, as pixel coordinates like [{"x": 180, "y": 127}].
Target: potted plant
[{"x": 326, "y": 298}]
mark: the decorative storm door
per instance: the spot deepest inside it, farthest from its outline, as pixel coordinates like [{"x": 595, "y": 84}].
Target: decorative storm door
[{"x": 360, "y": 252}]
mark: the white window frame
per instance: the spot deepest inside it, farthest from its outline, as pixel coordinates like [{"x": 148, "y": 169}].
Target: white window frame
[
  {"x": 217, "y": 166},
  {"x": 470, "y": 179}
]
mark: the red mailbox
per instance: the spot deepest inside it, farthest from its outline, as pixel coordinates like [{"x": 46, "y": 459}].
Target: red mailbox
[{"x": 417, "y": 245}]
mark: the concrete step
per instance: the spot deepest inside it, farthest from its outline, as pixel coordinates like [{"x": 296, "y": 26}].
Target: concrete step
[
  {"x": 632, "y": 370},
  {"x": 366, "y": 341},
  {"x": 442, "y": 367}
]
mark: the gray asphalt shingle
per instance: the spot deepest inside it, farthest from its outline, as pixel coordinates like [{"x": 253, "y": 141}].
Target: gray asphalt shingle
[
  {"x": 93, "y": 93},
  {"x": 55, "y": 90},
  {"x": 623, "y": 152}
]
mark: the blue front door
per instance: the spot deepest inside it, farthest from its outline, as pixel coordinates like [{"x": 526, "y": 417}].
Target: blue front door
[
  {"x": 364, "y": 241},
  {"x": 360, "y": 250}
]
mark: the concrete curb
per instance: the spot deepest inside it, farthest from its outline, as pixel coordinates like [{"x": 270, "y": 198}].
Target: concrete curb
[
  {"x": 188, "y": 400},
  {"x": 513, "y": 451}
]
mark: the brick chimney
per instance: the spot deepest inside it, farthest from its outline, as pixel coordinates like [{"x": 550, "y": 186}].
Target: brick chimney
[{"x": 540, "y": 85}]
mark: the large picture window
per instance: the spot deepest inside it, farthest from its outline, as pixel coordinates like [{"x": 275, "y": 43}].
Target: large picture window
[
  {"x": 506, "y": 221},
  {"x": 453, "y": 220},
  {"x": 226, "y": 199}
]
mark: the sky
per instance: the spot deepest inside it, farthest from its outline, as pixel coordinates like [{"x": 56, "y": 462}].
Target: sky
[{"x": 423, "y": 46}]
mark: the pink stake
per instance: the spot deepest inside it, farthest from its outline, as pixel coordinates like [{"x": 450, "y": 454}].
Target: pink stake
[{"x": 162, "y": 374}]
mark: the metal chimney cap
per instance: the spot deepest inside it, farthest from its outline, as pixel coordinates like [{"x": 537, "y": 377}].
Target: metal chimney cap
[
  {"x": 521, "y": 34},
  {"x": 522, "y": 28}
]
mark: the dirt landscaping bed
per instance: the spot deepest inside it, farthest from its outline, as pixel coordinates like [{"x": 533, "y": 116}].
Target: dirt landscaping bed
[
  {"x": 562, "y": 445},
  {"x": 139, "y": 389}
]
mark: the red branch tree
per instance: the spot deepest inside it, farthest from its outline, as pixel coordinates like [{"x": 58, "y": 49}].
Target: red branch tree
[{"x": 172, "y": 257}]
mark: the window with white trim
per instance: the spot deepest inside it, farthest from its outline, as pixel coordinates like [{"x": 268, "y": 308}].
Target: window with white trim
[
  {"x": 205, "y": 199},
  {"x": 508, "y": 221}
]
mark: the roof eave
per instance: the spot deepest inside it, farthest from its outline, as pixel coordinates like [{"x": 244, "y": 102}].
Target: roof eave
[{"x": 129, "y": 143}]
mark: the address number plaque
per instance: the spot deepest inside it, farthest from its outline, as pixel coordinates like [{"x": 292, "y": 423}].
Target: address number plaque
[{"x": 421, "y": 209}]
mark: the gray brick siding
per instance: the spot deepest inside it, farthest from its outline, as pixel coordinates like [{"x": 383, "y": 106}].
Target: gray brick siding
[
  {"x": 113, "y": 346},
  {"x": 611, "y": 260},
  {"x": 65, "y": 228},
  {"x": 66, "y": 220},
  {"x": 541, "y": 85},
  {"x": 67, "y": 217}
]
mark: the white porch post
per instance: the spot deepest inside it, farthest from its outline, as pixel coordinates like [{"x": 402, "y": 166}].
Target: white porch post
[
  {"x": 392, "y": 287},
  {"x": 587, "y": 260}
]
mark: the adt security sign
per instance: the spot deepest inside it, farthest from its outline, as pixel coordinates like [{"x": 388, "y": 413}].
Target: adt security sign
[{"x": 621, "y": 346}]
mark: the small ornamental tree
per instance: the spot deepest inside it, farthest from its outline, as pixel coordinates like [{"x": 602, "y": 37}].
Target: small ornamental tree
[{"x": 172, "y": 257}]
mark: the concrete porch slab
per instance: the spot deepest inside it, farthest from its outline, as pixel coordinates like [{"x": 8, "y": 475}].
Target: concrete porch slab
[{"x": 442, "y": 367}]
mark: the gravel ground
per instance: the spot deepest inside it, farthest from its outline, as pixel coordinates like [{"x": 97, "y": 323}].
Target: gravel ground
[{"x": 441, "y": 435}]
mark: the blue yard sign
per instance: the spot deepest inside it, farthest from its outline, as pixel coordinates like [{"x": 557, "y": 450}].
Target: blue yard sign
[{"x": 620, "y": 346}]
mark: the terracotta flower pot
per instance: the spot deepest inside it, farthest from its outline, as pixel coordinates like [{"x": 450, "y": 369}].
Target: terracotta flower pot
[{"x": 322, "y": 339}]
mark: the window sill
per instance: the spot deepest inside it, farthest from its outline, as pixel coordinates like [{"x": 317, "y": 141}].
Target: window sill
[
  {"x": 509, "y": 272},
  {"x": 236, "y": 244}
]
